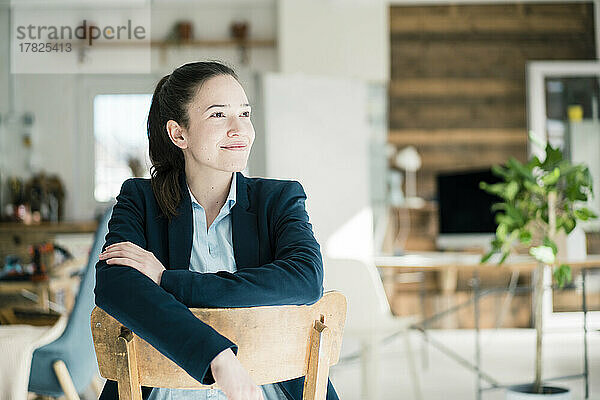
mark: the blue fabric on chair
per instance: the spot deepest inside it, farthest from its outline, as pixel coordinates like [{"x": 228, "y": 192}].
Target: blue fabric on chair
[{"x": 74, "y": 346}]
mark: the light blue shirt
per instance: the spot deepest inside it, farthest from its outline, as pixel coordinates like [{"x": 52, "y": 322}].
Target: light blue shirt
[{"x": 212, "y": 251}]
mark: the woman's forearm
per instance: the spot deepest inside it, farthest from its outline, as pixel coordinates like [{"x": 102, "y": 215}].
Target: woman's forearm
[{"x": 277, "y": 283}]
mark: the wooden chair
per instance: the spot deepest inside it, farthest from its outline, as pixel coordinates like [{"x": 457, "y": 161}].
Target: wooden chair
[{"x": 275, "y": 343}]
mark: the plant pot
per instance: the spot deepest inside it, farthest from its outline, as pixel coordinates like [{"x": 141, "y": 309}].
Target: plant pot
[{"x": 524, "y": 392}]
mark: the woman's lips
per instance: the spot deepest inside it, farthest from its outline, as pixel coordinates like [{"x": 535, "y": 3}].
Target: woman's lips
[{"x": 235, "y": 148}]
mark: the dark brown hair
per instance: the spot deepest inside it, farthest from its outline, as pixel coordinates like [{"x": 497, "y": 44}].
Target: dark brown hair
[{"x": 171, "y": 98}]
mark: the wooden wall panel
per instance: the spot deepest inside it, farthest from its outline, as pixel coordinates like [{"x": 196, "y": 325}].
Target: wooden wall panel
[
  {"x": 457, "y": 113},
  {"x": 478, "y": 57},
  {"x": 457, "y": 91}
]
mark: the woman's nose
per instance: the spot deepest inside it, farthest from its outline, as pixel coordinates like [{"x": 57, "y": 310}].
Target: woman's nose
[
  {"x": 233, "y": 132},
  {"x": 235, "y": 128}
]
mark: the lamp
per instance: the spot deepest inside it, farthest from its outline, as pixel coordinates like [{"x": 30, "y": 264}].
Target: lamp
[{"x": 409, "y": 160}]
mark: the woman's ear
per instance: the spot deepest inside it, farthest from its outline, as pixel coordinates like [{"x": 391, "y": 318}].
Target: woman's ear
[{"x": 176, "y": 134}]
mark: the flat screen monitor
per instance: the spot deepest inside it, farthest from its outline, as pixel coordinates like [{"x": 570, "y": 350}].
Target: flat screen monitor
[{"x": 465, "y": 216}]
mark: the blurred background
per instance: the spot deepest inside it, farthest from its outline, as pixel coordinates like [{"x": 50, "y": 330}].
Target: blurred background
[{"x": 389, "y": 113}]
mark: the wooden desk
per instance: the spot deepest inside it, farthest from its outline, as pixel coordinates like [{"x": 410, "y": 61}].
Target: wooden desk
[
  {"x": 60, "y": 280},
  {"x": 15, "y": 238},
  {"x": 441, "y": 260},
  {"x": 448, "y": 264}
]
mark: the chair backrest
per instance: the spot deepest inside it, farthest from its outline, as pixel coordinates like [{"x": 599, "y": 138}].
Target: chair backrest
[
  {"x": 275, "y": 343},
  {"x": 362, "y": 285}
]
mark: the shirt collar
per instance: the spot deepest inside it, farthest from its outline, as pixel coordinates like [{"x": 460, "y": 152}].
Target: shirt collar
[{"x": 231, "y": 197}]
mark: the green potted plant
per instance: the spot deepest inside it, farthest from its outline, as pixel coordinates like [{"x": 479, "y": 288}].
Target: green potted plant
[{"x": 539, "y": 199}]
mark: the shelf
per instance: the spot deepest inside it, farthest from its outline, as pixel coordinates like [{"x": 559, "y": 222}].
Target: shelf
[
  {"x": 11, "y": 228},
  {"x": 217, "y": 43},
  {"x": 190, "y": 43}
]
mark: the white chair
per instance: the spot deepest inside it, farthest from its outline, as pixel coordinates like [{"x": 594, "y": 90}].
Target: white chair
[{"x": 369, "y": 319}]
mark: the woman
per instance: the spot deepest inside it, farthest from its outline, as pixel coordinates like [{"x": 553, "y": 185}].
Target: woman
[{"x": 201, "y": 234}]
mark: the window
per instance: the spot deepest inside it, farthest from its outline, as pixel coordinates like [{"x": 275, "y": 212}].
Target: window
[{"x": 121, "y": 141}]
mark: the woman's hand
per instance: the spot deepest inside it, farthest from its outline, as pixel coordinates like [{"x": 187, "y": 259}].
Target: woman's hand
[
  {"x": 233, "y": 379},
  {"x": 132, "y": 255}
]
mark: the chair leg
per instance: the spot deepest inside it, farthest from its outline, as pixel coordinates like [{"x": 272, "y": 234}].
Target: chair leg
[
  {"x": 7, "y": 316},
  {"x": 370, "y": 368},
  {"x": 64, "y": 378},
  {"x": 412, "y": 367}
]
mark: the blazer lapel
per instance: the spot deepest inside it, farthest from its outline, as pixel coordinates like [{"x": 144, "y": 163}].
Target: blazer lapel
[
  {"x": 244, "y": 227},
  {"x": 181, "y": 230}
]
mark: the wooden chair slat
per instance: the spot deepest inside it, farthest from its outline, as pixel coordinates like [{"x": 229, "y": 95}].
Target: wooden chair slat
[
  {"x": 315, "y": 384},
  {"x": 128, "y": 382}
]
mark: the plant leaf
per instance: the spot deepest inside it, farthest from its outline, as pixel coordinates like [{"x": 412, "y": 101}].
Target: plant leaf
[
  {"x": 543, "y": 254},
  {"x": 562, "y": 275},
  {"x": 533, "y": 187},
  {"x": 504, "y": 257},
  {"x": 525, "y": 236},
  {"x": 498, "y": 189},
  {"x": 485, "y": 258},
  {"x": 501, "y": 172},
  {"x": 520, "y": 169},
  {"x": 584, "y": 214},
  {"x": 551, "y": 178},
  {"x": 566, "y": 222},
  {"x": 550, "y": 243},
  {"x": 553, "y": 157},
  {"x": 511, "y": 190}
]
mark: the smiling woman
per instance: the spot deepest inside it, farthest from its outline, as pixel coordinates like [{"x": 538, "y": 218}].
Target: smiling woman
[{"x": 199, "y": 233}]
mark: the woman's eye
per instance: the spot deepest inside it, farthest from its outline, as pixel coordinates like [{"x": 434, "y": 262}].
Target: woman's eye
[
  {"x": 246, "y": 113},
  {"x": 217, "y": 114}
]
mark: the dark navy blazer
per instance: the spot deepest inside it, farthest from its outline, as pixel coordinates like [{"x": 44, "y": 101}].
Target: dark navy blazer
[{"x": 277, "y": 257}]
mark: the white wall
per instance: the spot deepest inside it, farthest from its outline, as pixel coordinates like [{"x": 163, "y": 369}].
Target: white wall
[
  {"x": 347, "y": 38},
  {"x": 316, "y": 131}
]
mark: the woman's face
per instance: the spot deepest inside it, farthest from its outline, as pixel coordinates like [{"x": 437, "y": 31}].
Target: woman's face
[{"x": 220, "y": 133}]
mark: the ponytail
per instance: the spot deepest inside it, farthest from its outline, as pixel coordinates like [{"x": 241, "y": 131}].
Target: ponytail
[{"x": 167, "y": 159}]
